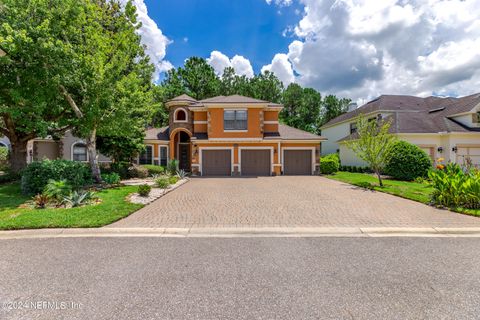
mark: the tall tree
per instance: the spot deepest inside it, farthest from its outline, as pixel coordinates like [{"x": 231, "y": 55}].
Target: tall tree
[
  {"x": 266, "y": 86},
  {"x": 302, "y": 107},
  {"x": 372, "y": 143},
  {"x": 333, "y": 107},
  {"x": 31, "y": 35},
  {"x": 112, "y": 75}
]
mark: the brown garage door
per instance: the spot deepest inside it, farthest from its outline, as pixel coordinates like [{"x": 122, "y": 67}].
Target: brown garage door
[
  {"x": 255, "y": 162},
  {"x": 216, "y": 162},
  {"x": 297, "y": 162}
]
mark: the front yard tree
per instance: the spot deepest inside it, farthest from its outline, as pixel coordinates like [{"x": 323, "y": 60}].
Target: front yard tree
[
  {"x": 372, "y": 143},
  {"x": 109, "y": 88},
  {"x": 30, "y": 103}
]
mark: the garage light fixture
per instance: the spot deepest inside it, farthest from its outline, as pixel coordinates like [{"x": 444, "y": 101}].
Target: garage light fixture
[
  {"x": 454, "y": 149},
  {"x": 440, "y": 149}
]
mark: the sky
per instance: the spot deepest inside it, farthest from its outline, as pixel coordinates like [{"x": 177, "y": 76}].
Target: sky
[{"x": 357, "y": 49}]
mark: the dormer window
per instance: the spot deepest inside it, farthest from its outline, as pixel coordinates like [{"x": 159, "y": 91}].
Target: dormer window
[
  {"x": 235, "y": 120},
  {"x": 476, "y": 117},
  {"x": 180, "y": 115},
  {"x": 353, "y": 127}
]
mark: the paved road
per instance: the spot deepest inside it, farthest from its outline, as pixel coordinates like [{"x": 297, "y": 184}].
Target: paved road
[
  {"x": 286, "y": 201},
  {"x": 243, "y": 278}
]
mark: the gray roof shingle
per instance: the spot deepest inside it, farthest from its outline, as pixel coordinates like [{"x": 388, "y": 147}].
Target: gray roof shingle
[
  {"x": 289, "y": 133},
  {"x": 417, "y": 115}
]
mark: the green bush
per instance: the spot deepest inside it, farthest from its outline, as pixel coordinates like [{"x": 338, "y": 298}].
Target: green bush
[
  {"x": 120, "y": 168},
  {"x": 57, "y": 190},
  {"x": 111, "y": 178},
  {"x": 144, "y": 190},
  {"x": 455, "y": 188},
  {"x": 407, "y": 162},
  {"x": 153, "y": 169},
  {"x": 36, "y": 175},
  {"x": 172, "y": 167},
  {"x": 3, "y": 158},
  {"x": 136, "y": 171},
  {"x": 329, "y": 164},
  {"x": 9, "y": 177},
  {"x": 162, "y": 182},
  {"x": 173, "y": 179}
]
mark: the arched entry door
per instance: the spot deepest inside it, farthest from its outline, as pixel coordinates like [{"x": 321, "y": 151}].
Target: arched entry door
[{"x": 182, "y": 151}]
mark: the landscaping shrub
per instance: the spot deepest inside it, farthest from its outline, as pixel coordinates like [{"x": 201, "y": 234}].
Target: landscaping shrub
[
  {"x": 57, "y": 190},
  {"x": 173, "y": 179},
  {"x": 136, "y": 171},
  {"x": 111, "y": 178},
  {"x": 9, "y": 177},
  {"x": 3, "y": 158},
  {"x": 172, "y": 167},
  {"x": 407, "y": 162},
  {"x": 162, "y": 182},
  {"x": 153, "y": 169},
  {"x": 120, "y": 168},
  {"x": 144, "y": 190},
  {"x": 37, "y": 174},
  {"x": 454, "y": 187},
  {"x": 80, "y": 198},
  {"x": 329, "y": 164}
]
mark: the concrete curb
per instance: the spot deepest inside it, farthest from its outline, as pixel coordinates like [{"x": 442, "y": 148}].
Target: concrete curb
[{"x": 240, "y": 232}]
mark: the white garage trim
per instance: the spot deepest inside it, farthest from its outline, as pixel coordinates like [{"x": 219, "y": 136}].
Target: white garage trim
[
  {"x": 299, "y": 148},
  {"x": 254, "y": 148},
  {"x": 215, "y": 148}
]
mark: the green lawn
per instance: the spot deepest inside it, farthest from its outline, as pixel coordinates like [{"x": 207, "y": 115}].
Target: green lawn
[
  {"x": 112, "y": 208},
  {"x": 409, "y": 190}
]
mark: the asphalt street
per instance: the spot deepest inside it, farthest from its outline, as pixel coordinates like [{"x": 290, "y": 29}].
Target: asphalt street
[{"x": 240, "y": 278}]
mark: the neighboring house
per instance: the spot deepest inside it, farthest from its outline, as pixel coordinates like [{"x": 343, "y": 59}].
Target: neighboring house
[
  {"x": 446, "y": 128},
  {"x": 231, "y": 135},
  {"x": 68, "y": 148}
]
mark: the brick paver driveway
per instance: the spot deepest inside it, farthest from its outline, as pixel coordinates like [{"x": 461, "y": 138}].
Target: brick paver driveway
[{"x": 286, "y": 201}]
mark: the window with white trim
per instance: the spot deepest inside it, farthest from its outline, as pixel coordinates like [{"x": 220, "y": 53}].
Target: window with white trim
[
  {"x": 79, "y": 152},
  {"x": 163, "y": 155},
  {"x": 235, "y": 120},
  {"x": 146, "y": 157}
]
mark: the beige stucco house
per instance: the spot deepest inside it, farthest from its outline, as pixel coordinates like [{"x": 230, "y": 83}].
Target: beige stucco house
[{"x": 446, "y": 128}]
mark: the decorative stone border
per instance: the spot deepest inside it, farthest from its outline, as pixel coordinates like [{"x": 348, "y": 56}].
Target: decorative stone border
[{"x": 155, "y": 193}]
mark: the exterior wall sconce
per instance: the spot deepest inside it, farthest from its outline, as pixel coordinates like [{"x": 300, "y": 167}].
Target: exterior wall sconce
[
  {"x": 454, "y": 149},
  {"x": 440, "y": 149}
]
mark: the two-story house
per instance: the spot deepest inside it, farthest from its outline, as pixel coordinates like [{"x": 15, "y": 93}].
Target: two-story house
[
  {"x": 447, "y": 128},
  {"x": 231, "y": 135}
]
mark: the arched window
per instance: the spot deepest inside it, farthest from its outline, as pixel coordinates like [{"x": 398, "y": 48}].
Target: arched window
[
  {"x": 79, "y": 151},
  {"x": 180, "y": 115}
]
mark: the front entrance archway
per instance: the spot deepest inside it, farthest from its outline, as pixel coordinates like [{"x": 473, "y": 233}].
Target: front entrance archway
[{"x": 181, "y": 148}]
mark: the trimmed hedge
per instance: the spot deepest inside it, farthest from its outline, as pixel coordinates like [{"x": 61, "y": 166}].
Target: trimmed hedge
[
  {"x": 36, "y": 175},
  {"x": 355, "y": 169},
  {"x": 329, "y": 164},
  {"x": 153, "y": 169},
  {"x": 407, "y": 162}
]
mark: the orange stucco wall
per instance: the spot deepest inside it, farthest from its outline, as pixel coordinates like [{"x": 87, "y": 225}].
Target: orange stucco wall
[
  {"x": 268, "y": 127},
  {"x": 270, "y": 115},
  {"x": 200, "y": 116},
  {"x": 216, "y": 125},
  {"x": 199, "y": 127}
]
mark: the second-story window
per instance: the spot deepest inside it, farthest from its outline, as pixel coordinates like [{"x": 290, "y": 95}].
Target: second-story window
[{"x": 235, "y": 120}]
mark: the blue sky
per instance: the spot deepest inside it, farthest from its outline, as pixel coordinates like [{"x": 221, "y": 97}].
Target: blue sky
[
  {"x": 358, "y": 49},
  {"x": 250, "y": 28}
]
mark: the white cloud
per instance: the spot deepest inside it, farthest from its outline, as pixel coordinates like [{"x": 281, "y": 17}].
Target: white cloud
[
  {"x": 281, "y": 3},
  {"x": 240, "y": 64},
  {"x": 282, "y": 68},
  {"x": 364, "y": 48},
  {"x": 153, "y": 38}
]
